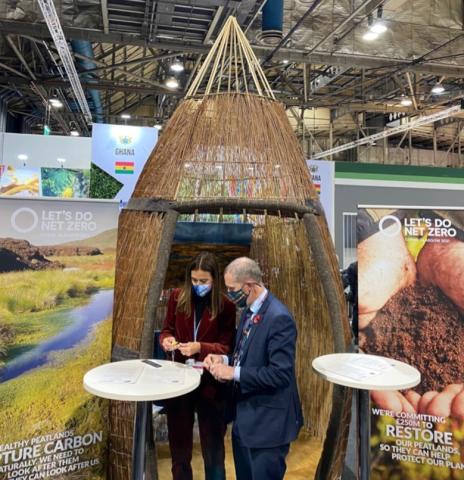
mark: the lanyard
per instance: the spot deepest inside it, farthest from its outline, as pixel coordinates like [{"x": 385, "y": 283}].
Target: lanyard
[
  {"x": 247, "y": 326},
  {"x": 195, "y": 326}
]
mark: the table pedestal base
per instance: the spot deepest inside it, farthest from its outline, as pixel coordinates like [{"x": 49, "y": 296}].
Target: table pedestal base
[
  {"x": 364, "y": 425},
  {"x": 144, "y": 465}
]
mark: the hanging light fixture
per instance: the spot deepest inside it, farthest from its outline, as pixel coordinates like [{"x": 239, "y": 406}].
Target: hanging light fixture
[
  {"x": 56, "y": 103},
  {"x": 438, "y": 89},
  {"x": 378, "y": 25},
  {"x": 177, "y": 66},
  {"x": 375, "y": 27},
  {"x": 370, "y": 36},
  {"x": 406, "y": 101},
  {"x": 172, "y": 83}
]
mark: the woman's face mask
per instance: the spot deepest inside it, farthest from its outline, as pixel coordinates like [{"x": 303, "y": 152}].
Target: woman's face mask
[
  {"x": 238, "y": 297},
  {"x": 202, "y": 290}
]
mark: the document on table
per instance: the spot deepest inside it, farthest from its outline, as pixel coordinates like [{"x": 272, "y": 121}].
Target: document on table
[
  {"x": 124, "y": 375},
  {"x": 361, "y": 368},
  {"x": 167, "y": 375}
]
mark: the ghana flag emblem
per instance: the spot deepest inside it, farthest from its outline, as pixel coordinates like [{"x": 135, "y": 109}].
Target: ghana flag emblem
[
  {"x": 317, "y": 186},
  {"x": 124, "y": 167}
]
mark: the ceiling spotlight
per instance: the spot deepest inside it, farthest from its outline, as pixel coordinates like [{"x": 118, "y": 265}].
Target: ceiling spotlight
[
  {"x": 55, "y": 103},
  {"x": 125, "y": 116},
  {"x": 438, "y": 89},
  {"x": 406, "y": 102},
  {"x": 158, "y": 126},
  {"x": 370, "y": 36},
  {"x": 74, "y": 133},
  {"x": 172, "y": 83},
  {"x": 22, "y": 157},
  {"x": 177, "y": 66},
  {"x": 378, "y": 27}
]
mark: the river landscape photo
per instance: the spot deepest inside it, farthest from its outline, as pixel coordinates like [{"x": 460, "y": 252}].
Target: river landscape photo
[{"x": 55, "y": 324}]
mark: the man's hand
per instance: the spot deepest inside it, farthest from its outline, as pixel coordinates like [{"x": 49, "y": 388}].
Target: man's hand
[
  {"x": 169, "y": 344},
  {"x": 221, "y": 372},
  {"x": 211, "y": 359},
  {"x": 189, "y": 349}
]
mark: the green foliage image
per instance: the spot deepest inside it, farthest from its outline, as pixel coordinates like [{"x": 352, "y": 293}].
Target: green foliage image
[{"x": 102, "y": 185}]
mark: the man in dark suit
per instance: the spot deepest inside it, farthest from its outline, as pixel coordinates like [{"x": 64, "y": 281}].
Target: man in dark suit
[{"x": 262, "y": 368}]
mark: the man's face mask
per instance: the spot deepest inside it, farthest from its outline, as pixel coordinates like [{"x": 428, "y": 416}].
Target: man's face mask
[
  {"x": 202, "y": 290},
  {"x": 238, "y": 297}
]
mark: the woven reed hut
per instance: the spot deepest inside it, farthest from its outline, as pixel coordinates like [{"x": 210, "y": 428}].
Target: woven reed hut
[{"x": 229, "y": 149}]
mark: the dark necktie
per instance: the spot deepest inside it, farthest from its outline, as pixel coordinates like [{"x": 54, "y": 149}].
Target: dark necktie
[{"x": 243, "y": 337}]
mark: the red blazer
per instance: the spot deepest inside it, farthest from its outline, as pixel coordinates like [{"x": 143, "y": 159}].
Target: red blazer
[{"x": 215, "y": 336}]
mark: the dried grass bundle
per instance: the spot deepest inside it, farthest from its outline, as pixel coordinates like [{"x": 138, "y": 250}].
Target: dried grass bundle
[
  {"x": 282, "y": 249},
  {"x": 137, "y": 249},
  {"x": 227, "y": 146}
]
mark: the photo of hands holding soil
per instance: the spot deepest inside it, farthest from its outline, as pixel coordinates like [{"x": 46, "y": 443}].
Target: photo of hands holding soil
[{"x": 411, "y": 308}]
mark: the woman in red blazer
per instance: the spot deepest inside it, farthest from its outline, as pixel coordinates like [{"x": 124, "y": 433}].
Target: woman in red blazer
[{"x": 200, "y": 320}]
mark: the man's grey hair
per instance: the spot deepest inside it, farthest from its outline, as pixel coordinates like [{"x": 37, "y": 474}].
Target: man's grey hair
[{"x": 244, "y": 269}]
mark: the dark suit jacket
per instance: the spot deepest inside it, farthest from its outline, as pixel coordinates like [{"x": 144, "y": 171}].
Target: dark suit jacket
[
  {"x": 267, "y": 406},
  {"x": 215, "y": 336}
]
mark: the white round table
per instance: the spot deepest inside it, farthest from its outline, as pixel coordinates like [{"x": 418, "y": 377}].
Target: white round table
[
  {"x": 364, "y": 373},
  {"x": 141, "y": 381},
  {"x": 136, "y": 381}
]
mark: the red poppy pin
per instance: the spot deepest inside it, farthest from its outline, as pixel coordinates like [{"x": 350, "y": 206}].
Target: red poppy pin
[{"x": 256, "y": 319}]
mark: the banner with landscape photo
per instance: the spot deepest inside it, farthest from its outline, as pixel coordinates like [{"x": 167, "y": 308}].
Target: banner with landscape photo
[{"x": 56, "y": 297}]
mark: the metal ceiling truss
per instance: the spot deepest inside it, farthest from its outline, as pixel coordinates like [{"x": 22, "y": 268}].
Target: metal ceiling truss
[
  {"x": 371, "y": 139},
  {"x": 139, "y": 39},
  {"x": 56, "y": 31},
  {"x": 293, "y": 55}
]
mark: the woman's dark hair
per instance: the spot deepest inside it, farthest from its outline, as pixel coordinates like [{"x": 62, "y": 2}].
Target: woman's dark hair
[{"x": 208, "y": 263}]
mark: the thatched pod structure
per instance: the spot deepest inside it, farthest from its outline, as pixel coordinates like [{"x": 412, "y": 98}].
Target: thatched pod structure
[{"x": 234, "y": 153}]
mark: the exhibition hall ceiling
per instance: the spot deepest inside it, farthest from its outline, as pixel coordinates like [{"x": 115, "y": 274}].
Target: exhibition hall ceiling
[{"x": 337, "y": 82}]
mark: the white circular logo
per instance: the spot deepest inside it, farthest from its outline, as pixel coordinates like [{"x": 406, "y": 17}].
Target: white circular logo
[
  {"x": 392, "y": 232},
  {"x": 28, "y": 220}
]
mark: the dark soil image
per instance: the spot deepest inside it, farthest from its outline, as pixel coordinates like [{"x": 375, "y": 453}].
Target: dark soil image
[{"x": 418, "y": 326}]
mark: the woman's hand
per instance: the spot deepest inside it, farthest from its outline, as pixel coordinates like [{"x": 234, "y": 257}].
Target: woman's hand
[
  {"x": 169, "y": 344},
  {"x": 190, "y": 348}
]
